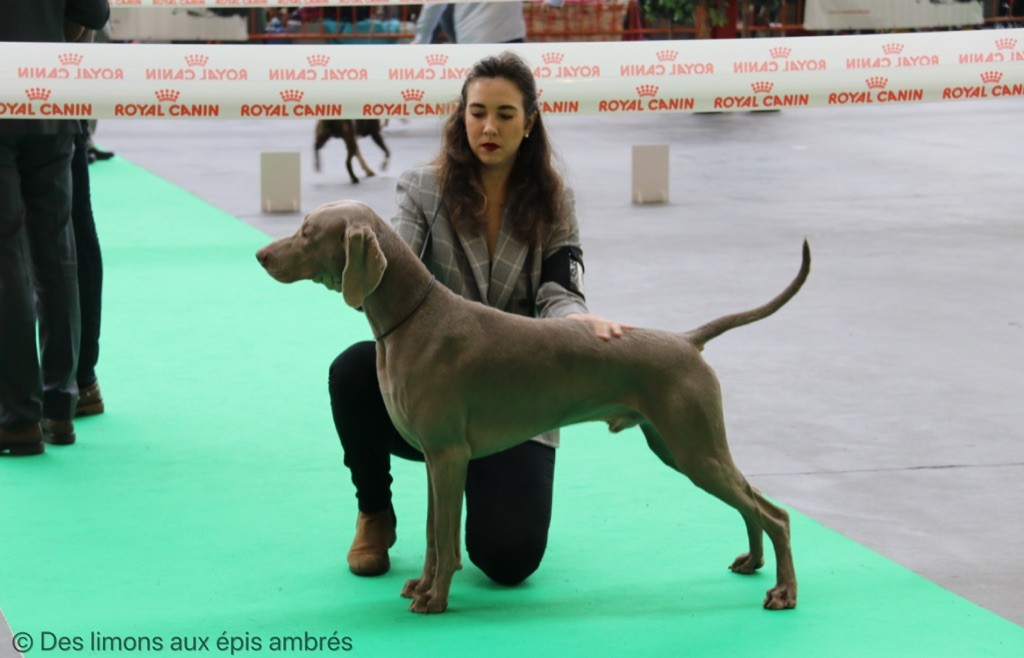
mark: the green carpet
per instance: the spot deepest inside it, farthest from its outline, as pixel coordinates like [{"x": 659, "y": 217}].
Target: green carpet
[{"x": 210, "y": 501}]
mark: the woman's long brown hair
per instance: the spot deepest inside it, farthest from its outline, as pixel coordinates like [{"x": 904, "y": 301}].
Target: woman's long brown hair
[{"x": 534, "y": 187}]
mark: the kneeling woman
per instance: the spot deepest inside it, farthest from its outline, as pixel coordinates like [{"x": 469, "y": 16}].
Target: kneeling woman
[{"x": 492, "y": 220}]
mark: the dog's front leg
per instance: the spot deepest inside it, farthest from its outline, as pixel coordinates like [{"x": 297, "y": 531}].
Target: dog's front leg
[
  {"x": 447, "y": 472},
  {"x": 419, "y": 586}
]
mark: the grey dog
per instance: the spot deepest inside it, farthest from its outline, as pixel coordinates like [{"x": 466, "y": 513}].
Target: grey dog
[{"x": 462, "y": 380}]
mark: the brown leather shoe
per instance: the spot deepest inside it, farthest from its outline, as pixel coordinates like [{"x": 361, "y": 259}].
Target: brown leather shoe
[
  {"x": 90, "y": 401},
  {"x": 375, "y": 534},
  {"x": 28, "y": 441},
  {"x": 58, "y": 432}
]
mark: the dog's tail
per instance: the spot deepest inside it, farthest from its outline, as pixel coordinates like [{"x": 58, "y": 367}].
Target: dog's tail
[{"x": 705, "y": 333}]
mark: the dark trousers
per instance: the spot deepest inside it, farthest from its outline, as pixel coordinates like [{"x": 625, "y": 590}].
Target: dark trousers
[
  {"x": 508, "y": 494},
  {"x": 90, "y": 261},
  {"x": 38, "y": 280}
]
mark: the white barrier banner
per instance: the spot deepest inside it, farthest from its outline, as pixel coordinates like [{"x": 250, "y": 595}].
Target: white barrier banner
[
  {"x": 39, "y": 80},
  {"x": 890, "y": 14}
]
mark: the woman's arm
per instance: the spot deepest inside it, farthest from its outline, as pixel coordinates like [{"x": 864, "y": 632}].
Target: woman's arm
[
  {"x": 562, "y": 296},
  {"x": 410, "y": 220},
  {"x": 554, "y": 298}
]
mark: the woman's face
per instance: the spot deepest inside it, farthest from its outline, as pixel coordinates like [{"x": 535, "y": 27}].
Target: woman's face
[{"x": 496, "y": 122}]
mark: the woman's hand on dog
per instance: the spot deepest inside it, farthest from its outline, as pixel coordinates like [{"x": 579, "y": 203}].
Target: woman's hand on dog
[{"x": 603, "y": 329}]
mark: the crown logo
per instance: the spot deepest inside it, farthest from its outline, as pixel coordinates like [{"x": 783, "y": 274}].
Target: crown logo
[
  {"x": 412, "y": 95},
  {"x": 667, "y": 55},
  {"x": 292, "y": 95},
  {"x": 877, "y": 82},
  {"x": 991, "y": 76},
  {"x": 1006, "y": 43},
  {"x": 892, "y": 48},
  {"x": 167, "y": 95},
  {"x": 647, "y": 90},
  {"x": 38, "y": 94},
  {"x": 762, "y": 87},
  {"x": 70, "y": 59},
  {"x": 318, "y": 60},
  {"x": 552, "y": 58},
  {"x": 197, "y": 60},
  {"x": 437, "y": 59},
  {"x": 780, "y": 52}
]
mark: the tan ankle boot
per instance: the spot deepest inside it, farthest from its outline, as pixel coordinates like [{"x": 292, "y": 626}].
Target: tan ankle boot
[{"x": 375, "y": 534}]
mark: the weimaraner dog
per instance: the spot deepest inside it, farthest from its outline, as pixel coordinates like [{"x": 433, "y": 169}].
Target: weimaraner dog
[{"x": 462, "y": 380}]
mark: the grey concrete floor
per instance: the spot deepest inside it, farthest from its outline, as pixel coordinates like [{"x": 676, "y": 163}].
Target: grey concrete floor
[{"x": 886, "y": 400}]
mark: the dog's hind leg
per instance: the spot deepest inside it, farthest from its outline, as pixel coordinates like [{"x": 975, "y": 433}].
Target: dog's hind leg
[
  {"x": 697, "y": 447},
  {"x": 379, "y": 141},
  {"x": 321, "y": 138},
  {"x": 657, "y": 445},
  {"x": 362, "y": 163},
  {"x": 746, "y": 563},
  {"x": 353, "y": 152},
  {"x": 719, "y": 476}
]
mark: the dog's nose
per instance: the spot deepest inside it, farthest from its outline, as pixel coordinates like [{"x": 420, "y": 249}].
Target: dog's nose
[{"x": 262, "y": 256}]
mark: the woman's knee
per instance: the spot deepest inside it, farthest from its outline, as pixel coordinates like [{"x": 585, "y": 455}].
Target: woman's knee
[
  {"x": 507, "y": 563},
  {"x": 352, "y": 368}
]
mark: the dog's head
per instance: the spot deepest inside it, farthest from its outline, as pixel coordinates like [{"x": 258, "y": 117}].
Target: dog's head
[{"x": 335, "y": 246}]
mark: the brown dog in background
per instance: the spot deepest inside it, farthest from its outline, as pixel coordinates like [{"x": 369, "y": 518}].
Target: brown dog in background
[{"x": 350, "y": 130}]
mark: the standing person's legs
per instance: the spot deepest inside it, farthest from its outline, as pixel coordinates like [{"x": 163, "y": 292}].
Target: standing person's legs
[
  {"x": 447, "y": 24},
  {"x": 90, "y": 277},
  {"x": 46, "y": 189},
  {"x": 508, "y": 511},
  {"x": 20, "y": 386}
]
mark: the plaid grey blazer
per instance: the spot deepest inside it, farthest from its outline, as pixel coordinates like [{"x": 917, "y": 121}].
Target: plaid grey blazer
[{"x": 511, "y": 282}]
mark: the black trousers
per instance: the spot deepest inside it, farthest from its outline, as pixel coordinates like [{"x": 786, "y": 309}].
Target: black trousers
[
  {"x": 90, "y": 260},
  {"x": 38, "y": 280},
  {"x": 508, "y": 494}
]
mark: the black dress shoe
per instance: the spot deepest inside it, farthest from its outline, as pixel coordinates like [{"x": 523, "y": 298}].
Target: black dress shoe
[
  {"x": 28, "y": 441},
  {"x": 58, "y": 432},
  {"x": 97, "y": 154},
  {"x": 90, "y": 401}
]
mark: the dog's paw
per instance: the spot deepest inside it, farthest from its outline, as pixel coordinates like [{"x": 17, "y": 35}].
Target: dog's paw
[
  {"x": 746, "y": 564},
  {"x": 429, "y": 603},
  {"x": 780, "y": 597},
  {"x": 415, "y": 587},
  {"x": 412, "y": 588}
]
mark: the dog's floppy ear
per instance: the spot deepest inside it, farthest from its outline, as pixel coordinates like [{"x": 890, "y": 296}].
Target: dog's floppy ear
[{"x": 364, "y": 264}]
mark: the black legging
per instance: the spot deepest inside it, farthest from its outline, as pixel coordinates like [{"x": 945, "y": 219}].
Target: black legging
[{"x": 508, "y": 494}]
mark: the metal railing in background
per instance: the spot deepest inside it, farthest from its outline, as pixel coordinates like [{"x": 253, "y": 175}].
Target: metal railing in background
[{"x": 576, "y": 20}]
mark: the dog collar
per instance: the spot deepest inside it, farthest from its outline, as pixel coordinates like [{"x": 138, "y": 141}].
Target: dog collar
[{"x": 408, "y": 315}]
